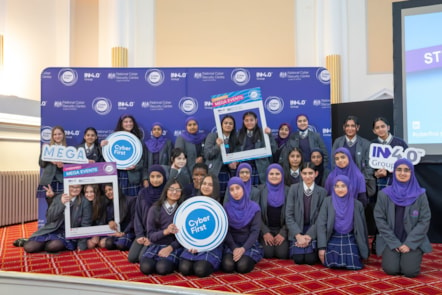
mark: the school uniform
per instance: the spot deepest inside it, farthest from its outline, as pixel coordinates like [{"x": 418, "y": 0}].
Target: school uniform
[
  {"x": 299, "y": 221},
  {"x": 350, "y": 247},
  {"x": 273, "y": 221},
  {"x": 54, "y": 229},
  {"x": 159, "y": 219},
  {"x": 306, "y": 143},
  {"x": 359, "y": 150},
  {"x": 259, "y": 166}
]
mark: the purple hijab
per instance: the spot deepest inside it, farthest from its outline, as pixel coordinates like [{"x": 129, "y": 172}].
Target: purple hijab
[
  {"x": 344, "y": 207},
  {"x": 281, "y": 141},
  {"x": 352, "y": 171},
  {"x": 155, "y": 144},
  {"x": 276, "y": 195},
  {"x": 404, "y": 193},
  {"x": 196, "y": 138},
  {"x": 248, "y": 184},
  {"x": 241, "y": 212}
]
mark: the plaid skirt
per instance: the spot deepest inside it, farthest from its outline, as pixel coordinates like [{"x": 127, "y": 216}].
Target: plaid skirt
[
  {"x": 56, "y": 186},
  {"x": 343, "y": 252},
  {"x": 129, "y": 189},
  {"x": 213, "y": 257},
  {"x": 70, "y": 244},
  {"x": 255, "y": 252},
  {"x": 153, "y": 249},
  {"x": 123, "y": 242}
]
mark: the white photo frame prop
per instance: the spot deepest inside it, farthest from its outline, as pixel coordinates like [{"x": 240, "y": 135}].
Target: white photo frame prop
[
  {"x": 236, "y": 102},
  {"x": 94, "y": 173}
]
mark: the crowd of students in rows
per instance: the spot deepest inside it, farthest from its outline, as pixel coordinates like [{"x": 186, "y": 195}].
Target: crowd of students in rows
[{"x": 290, "y": 205}]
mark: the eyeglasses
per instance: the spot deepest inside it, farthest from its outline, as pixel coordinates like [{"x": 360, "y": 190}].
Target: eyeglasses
[
  {"x": 174, "y": 190},
  {"x": 403, "y": 170}
]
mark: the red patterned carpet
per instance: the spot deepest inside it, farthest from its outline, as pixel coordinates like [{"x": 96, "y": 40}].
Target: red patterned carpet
[{"x": 270, "y": 276}]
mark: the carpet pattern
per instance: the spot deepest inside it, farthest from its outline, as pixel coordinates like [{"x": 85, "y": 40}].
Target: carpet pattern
[{"x": 270, "y": 276}]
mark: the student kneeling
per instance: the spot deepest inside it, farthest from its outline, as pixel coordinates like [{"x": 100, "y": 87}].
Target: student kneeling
[{"x": 342, "y": 230}]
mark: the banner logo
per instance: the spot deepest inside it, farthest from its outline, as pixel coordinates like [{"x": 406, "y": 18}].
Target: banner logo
[
  {"x": 46, "y": 133},
  {"x": 102, "y": 105},
  {"x": 274, "y": 104},
  {"x": 202, "y": 223},
  {"x": 154, "y": 77},
  {"x": 188, "y": 105},
  {"x": 240, "y": 77},
  {"x": 323, "y": 76},
  {"x": 67, "y": 77}
]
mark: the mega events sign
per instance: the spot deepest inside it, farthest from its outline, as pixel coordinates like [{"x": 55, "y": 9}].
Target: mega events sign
[{"x": 77, "y": 98}]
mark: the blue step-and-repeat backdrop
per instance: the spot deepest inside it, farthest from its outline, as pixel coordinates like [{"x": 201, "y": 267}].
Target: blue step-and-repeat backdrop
[{"x": 77, "y": 98}]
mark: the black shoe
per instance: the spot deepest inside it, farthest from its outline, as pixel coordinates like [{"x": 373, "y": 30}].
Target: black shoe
[
  {"x": 373, "y": 246},
  {"x": 19, "y": 242}
]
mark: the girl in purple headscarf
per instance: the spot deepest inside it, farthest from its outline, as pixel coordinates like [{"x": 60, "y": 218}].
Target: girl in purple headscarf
[
  {"x": 341, "y": 228},
  {"x": 242, "y": 249},
  {"x": 272, "y": 202},
  {"x": 191, "y": 141},
  {"x": 402, "y": 215},
  {"x": 158, "y": 146},
  {"x": 346, "y": 166},
  {"x": 244, "y": 171}
]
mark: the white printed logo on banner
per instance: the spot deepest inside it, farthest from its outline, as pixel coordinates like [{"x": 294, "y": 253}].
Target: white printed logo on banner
[
  {"x": 274, "y": 104},
  {"x": 102, "y": 105},
  {"x": 154, "y": 77},
  {"x": 240, "y": 76},
  {"x": 323, "y": 76},
  {"x": 68, "y": 77},
  {"x": 188, "y": 105},
  {"x": 384, "y": 156},
  {"x": 46, "y": 133}
]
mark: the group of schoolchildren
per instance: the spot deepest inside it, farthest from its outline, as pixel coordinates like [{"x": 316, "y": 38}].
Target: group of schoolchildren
[{"x": 290, "y": 205}]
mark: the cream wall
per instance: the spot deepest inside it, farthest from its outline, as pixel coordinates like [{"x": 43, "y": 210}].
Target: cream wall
[{"x": 43, "y": 33}]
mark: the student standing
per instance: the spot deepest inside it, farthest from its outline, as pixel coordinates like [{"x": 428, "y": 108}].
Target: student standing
[
  {"x": 91, "y": 145},
  {"x": 212, "y": 152},
  {"x": 359, "y": 148},
  {"x": 52, "y": 172},
  {"x": 191, "y": 141},
  {"x": 251, "y": 137},
  {"x": 130, "y": 179},
  {"x": 305, "y": 139},
  {"x": 158, "y": 147}
]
